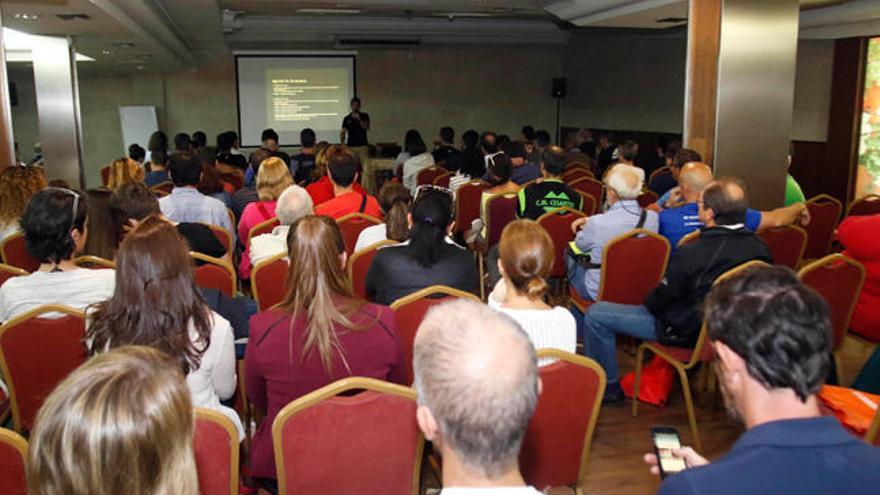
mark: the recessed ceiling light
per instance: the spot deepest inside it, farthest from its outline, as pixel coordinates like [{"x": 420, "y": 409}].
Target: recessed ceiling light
[
  {"x": 329, "y": 11},
  {"x": 26, "y": 17}
]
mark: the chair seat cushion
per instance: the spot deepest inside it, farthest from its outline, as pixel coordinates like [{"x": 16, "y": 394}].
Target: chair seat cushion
[{"x": 577, "y": 301}]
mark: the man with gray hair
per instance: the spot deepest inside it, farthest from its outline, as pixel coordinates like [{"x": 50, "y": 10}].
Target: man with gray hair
[
  {"x": 623, "y": 184},
  {"x": 293, "y": 204},
  {"x": 477, "y": 382}
]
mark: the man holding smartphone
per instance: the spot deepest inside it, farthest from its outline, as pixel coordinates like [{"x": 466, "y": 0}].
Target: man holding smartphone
[{"x": 772, "y": 338}]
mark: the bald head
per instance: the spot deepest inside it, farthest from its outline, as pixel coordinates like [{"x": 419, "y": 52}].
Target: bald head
[
  {"x": 725, "y": 200},
  {"x": 476, "y": 372},
  {"x": 693, "y": 178}
]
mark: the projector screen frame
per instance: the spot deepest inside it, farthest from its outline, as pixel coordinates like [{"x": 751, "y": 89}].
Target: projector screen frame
[{"x": 237, "y": 55}]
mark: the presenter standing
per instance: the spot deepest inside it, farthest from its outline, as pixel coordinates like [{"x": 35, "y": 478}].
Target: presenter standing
[{"x": 356, "y": 124}]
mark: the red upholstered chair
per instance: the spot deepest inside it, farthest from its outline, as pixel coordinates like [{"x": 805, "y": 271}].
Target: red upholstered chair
[
  {"x": 683, "y": 360},
  {"x": 622, "y": 281},
  {"x": 163, "y": 189},
  {"x": 367, "y": 443},
  {"x": 222, "y": 235},
  {"x": 824, "y": 213},
  {"x": 269, "y": 281},
  {"x": 647, "y": 198},
  {"x": 429, "y": 174},
  {"x": 410, "y": 310},
  {"x": 94, "y": 262},
  {"x": 14, "y": 253},
  {"x": 500, "y": 211},
  {"x": 13, "y": 457},
  {"x": 590, "y": 187},
  {"x": 575, "y": 173},
  {"x": 351, "y": 226},
  {"x": 215, "y": 445},
  {"x": 235, "y": 180},
  {"x": 263, "y": 228},
  {"x": 215, "y": 273},
  {"x": 689, "y": 238},
  {"x": 359, "y": 265},
  {"x": 7, "y": 272},
  {"x": 36, "y": 353},
  {"x": 442, "y": 180},
  {"x": 839, "y": 280},
  {"x": 558, "y": 224},
  {"x": 588, "y": 204},
  {"x": 556, "y": 447},
  {"x": 786, "y": 244},
  {"x": 467, "y": 204},
  {"x": 866, "y": 205},
  {"x": 660, "y": 171}
]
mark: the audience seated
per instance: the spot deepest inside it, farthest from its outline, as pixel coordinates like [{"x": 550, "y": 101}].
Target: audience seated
[
  {"x": 428, "y": 258},
  {"x": 104, "y": 224},
  {"x": 121, "y": 423},
  {"x": 302, "y": 165},
  {"x": 322, "y": 189},
  {"x": 318, "y": 334},
  {"x": 523, "y": 171},
  {"x": 158, "y": 173},
  {"x": 671, "y": 314},
  {"x": 395, "y": 201},
  {"x": 186, "y": 203},
  {"x": 663, "y": 184},
  {"x": 156, "y": 304},
  {"x": 606, "y": 151},
  {"x": 419, "y": 159},
  {"x": 272, "y": 179},
  {"x": 182, "y": 143},
  {"x": 445, "y": 152},
  {"x": 526, "y": 259},
  {"x": 548, "y": 193},
  {"x": 247, "y": 194},
  {"x": 623, "y": 184},
  {"x": 293, "y": 204},
  {"x": 343, "y": 172},
  {"x": 137, "y": 153},
  {"x": 227, "y": 142},
  {"x": 17, "y": 186},
  {"x": 54, "y": 230},
  {"x": 860, "y": 236},
  {"x": 212, "y": 184},
  {"x": 477, "y": 380},
  {"x": 772, "y": 341},
  {"x": 793, "y": 192},
  {"x": 473, "y": 164},
  {"x": 124, "y": 171},
  {"x": 627, "y": 152}
]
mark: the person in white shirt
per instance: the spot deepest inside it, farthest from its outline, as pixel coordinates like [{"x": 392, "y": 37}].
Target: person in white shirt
[
  {"x": 395, "y": 200},
  {"x": 419, "y": 158},
  {"x": 54, "y": 225},
  {"x": 156, "y": 303},
  {"x": 526, "y": 259},
  {"x": 293, "y": 204},
  {"x": 474, "y": 419}
]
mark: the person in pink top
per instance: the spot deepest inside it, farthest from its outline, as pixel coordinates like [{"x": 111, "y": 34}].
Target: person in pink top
[
  {"x": 860, "y": 235},
  {"x": 272, "y": 179}
]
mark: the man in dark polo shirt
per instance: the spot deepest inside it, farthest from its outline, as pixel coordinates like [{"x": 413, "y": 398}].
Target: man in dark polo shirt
[
  {"x": 355, "y": 126},
  {"x": 549, "y": 193}
]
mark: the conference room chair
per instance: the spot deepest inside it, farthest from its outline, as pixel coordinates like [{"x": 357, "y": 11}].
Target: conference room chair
[
  {"x": 556, "y": 447},
  {"x": 623, "y": 279},
  {"x": 786, "y": 244},
  {"x": 235, "y": 180},
  {"x": 359, "y": 265},
  {"x": 269, "y": 281},
  {"x": 557, "y": 223},
  {"x": 261, "y": 228},
  {"x": 647, "y": 198},
  {"x": 105, "y": 175},
  {"x": 866, "y": 205},
  {"x": 13, "y": 252},
  {"x": 13, "y": 458},
  {"x": 351, "y": 226},
  {"x": 590, "y": 187},
  {"x": 824, "y": 214},
  {"x": 872, "y": 436},
  {"x": 839, "y": 280},
  {"x": 334, "y": 444},
  {"x": 214, "y": 273},
  {"x": 37, "y": 351},
  {"x": 684, "y": 360},
  {"x": 427, "y": 175},
  {"x": 442, "y": 180},
  {"x": 576, "y": 172},
  {"x": 467, "y": 204},
  {"x": 162, "y": 189},
  {"x": 588, "y": 204},
  {"x": 216, "y": 450},
  {"x": 664, "y": 170},
  {"x": 7, "y": 272},
  {"x": 689, "y": 238},
  {"x": 222, "y": 235},
  {"x": 93, "y": 262},
  {"x": 500, "y": 211},
  {"x": 410, "y": 310}
]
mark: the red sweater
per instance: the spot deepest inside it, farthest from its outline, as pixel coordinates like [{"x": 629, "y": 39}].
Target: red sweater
[
  {"x": 322, "y": 190},
  {"x": 861, "y": 237}
]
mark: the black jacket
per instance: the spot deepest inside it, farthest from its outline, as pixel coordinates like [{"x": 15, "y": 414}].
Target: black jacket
[{"x": 677, "y": 303}]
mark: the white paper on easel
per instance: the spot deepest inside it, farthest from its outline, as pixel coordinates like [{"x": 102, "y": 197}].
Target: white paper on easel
[{"x": 138, "y": 123}]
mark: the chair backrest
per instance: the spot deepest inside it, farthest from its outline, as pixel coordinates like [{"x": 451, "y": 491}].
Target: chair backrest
[
  {"x": 590, "y": 187},
  {"x": 427, "y": 175},
  {"x": 467, "y": 203},
  {"x": 162, "y": 189},
  {"x": 625, "y": 282},
  {"x": 366, "y": 443},
  {"x": 351, "y": 226},
  {"x": 7, "y": 272},
  {"x": 866, "y": 205},
  {"x": 14, "y": 253},
  {"x": 556, "y": 447},
  {"x": 647, "y": 198},
  {"x": 94, "y": 262},
  {"x": 689, "y": 238},
  {"x": 411, "y": 309},
  {"x": 215, "y": 273},
  {"x": 359, "y": 265},
  {"x": 105, "y": 175},
  {"x": 222, "y": 235},
  {"x": 442, "y": 180},
  {"x": 575, "y": 173},
  {"x": 36, "y": 353},
  {"x": 215, "y": 445},
  {"x": 786, "y": 244},
  {"x": 824, "y": 213},
  {"x": 557, "y": 223},
  {"x": 500, "y": 211},
  {"x": 261, "y": 228},
  {"x": 588, "y": 204},
  {"x": 13, "y": 458},
  {"x": 838, "y": 279},
  {"x": 664, "y": 170},
  {"x": 269, "y": 281}
]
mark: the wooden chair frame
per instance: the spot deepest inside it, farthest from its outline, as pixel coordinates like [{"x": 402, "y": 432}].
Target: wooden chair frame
[
  {"x": 159, "y": 189},
  {"x": 4, "y": 366},
  {"x": 255, "y": 291},
  {"x": 220, "y": 419},
  {"x": 576, "y": 168},
  {"x": 333, "y": 390},
  {"x": 221, "y": 263},
  {"x": 17, "y": 442},
  {"x": 662, "y": 170},
  {"x": 428, "y": 291},
  {"x": 430, "y": 170},
  {"x": 823, "y": 198},
  {"x": 577, "y": 213},
  {"x": 459, "y": 227},
  {"x": 345, "y": 218},
  {"x": 13, "y": 270},
  {"x": 349, "y": 266},
  {"x": 3, "y": 244},
  {"x": 227, "y": 235},
  {"x": 586, "y": 198},
  {"x": 803, "y": 247},
  {"x": 447, "y": 176},
  {"x": 865, "y": 198},
  {"x": 261, "y": 225},
  {"x": 871, "y": 434},
  {"x": 482, "y": 255},
  {"x": 688, "y": 238},
  {"x": 84, "y": 261},
  {"x": 682, "y": 367}
]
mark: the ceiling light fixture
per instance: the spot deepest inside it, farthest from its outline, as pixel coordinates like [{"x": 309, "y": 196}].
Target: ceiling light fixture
[
  {"x": 329, "y": 11},
  {"x": 26, "y": 17}
]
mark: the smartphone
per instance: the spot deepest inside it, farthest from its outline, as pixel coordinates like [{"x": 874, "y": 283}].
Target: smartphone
[{"x": 665, "y": 439}]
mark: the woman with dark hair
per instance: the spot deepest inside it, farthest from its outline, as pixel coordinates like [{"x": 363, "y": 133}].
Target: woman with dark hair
[
  {"x": 419, "y": 158},
  {"x": 105, "y": 225},
  {"x": 395, "y": 201},
  {"x": 17, "y": 186},
  {"x": 156, "y": 304},
  {"x": 158, "y": 141},
  {"x": 213, "y": 185},
  {"x": 54, "y": 226},
  {"x": 428, "y": 258},
  {"x": 318, "y": 334}
]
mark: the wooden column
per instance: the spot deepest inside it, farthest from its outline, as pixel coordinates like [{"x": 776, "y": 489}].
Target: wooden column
[
  {"x": 704, "y": 31},
  {"x": 7, "y": 143},
  {"x": 844, "y": 118}
]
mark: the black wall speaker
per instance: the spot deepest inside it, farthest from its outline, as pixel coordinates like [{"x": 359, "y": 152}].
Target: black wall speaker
[{"x": 559, "y": 87}]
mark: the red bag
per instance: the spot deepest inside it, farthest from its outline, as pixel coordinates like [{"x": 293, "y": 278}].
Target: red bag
[{"x": 657, "y": 378}]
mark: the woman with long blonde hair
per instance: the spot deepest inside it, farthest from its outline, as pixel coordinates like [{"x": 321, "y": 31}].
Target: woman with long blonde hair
[
  {"x": 273, "y": 177},
  {"x": 121, "y": 423},
  {"x": 17, "y": 186},
  {"x": 318, "y": 334},
  {"x": 124, "y": 171}
]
